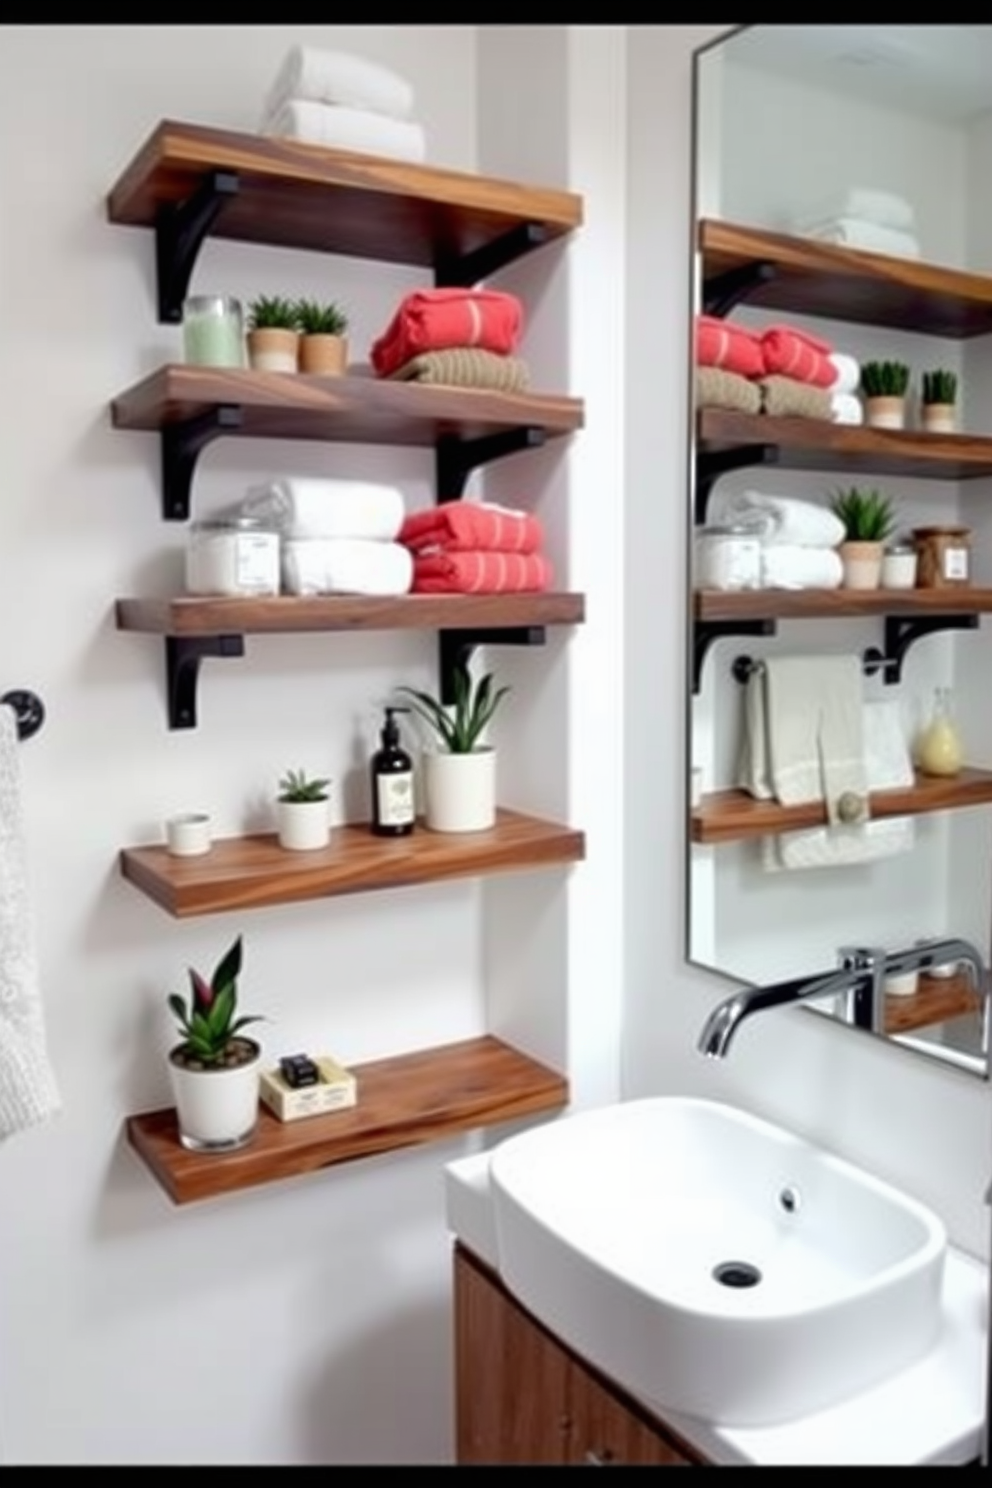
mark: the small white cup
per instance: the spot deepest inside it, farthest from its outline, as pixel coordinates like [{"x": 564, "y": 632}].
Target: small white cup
[{"x": 188, "y": 835}]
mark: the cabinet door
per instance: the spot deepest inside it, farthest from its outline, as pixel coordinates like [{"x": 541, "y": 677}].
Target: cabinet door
[
  {"x": 605, "y": 1432},
  {"x": 511, "y": 1379}
]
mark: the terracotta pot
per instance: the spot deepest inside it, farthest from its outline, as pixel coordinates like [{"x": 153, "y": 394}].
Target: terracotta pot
[
  {"x": 885, "y": 413},
  {"x": 325, "y": 356},
  {"x": 273, "y": 349},
  {"x": 862, "y": 564}
]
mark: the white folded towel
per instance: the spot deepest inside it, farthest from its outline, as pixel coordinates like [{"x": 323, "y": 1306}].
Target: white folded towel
[
  {"x": 846, "y": 408},
  {"x": 848, "y": 370},
  {"x": 28, "y": 1090},
  {"x": 340, "y": 77},
  {"x": 857, "y": 232},
  {"x": 781, "y": 519},
  {"x": 315, "y": 506},
  {"x": 345, "y": 565},
  {"x": 839, "y": 847},
  {"x": 791, "y": 566},
  {"x": 344, "y": 128},
  {"x": 884, "y": 208}
]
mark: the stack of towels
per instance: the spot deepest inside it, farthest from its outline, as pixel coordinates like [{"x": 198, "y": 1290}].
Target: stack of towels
[
  {"x": 798, "y": 539},
  {"x": 782, "y": 371},
  {"x": 336, "y": 536},
  {"x": 476, "y": 547},
  {"x": 874, "y": 221},
  {"x": 346, "y": 102},
  {"x": 461, "y": 337}
]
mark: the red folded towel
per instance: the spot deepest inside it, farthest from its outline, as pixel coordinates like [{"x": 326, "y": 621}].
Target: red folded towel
[
  {"x": 721, "y": 343},
  {"x": 797, "y": 354},
  {"x": 480, "y": 573},
  {"x": 438, "y": 319},
  {"x": 457, "y": 526}
]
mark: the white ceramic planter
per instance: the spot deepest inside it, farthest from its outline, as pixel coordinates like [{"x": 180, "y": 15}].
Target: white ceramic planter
[
  {"x": 460, "y": 790},
  {"x": 217, "y": 1109},
  {"x": 304, "y": 825},
  {"x": 885, "y": 413}
]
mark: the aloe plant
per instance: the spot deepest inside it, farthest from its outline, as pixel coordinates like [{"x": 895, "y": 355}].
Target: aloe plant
[
  {"x": 461, "y": 726},
  {"x": 272, "y": 312},
  {"x": 884, "y": 379},
  {"x": 312, "y": 318},
  {"x": 939, "y": 386},
  {"x": 867, "y": 515},
  {"x": 297, "y": 786}
]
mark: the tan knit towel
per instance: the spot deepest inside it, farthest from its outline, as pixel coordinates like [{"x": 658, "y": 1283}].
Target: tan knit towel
[
  {"x": 467, "y": 366},
  {"x": 717, "y": 388},
  {"x": 784, "y": 397}
]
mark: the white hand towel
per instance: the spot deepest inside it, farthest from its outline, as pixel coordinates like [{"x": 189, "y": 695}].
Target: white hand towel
[
  {"x": 846, "y": 408},
  {"x": 857, "y": 232},
  {"x": 340, "y": 77},
  {"x": 312, "y": 506},
  {"x": 348, "y": 129},
  {"x": 782, "y": 519},
  {"x": 28, "y": 1090},
  {"x": 790, "y": 566},
  {"x": 833, "y": 847},
  {"x": 345, "y": 565},
  {"x": 848, "y": 370}
]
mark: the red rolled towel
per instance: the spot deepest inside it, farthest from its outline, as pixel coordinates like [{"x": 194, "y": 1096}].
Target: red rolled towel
[
  {"x": 478, "y": 572},
  {"x": 457, "y": 526},
  {"x": 797, "y": 354},
  {"x": 721, "y": 343},
  {"x": 438, "y": 319}
]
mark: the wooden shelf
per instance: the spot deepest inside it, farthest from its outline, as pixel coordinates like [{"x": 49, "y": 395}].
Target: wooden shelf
[
  {"x": 817, "y": 444},
  {"x": 935, "y": 1001},
  {"x": 835, "y": 604},
  {"x": 732, "y": 815},
  {"x": 293, "y": 194},
  {"x": 402, "y": 1102},
  {"x": 812, "y": 278},
  {"x": 283, "y": 614},
  {"x": 249, "y": 872}
]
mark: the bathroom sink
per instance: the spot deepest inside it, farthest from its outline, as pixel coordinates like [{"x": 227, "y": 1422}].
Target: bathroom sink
[{"x": 715, "y": 1263}]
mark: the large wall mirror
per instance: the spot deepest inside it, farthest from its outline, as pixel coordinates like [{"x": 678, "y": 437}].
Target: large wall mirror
[{"x": 842, "y": 214}]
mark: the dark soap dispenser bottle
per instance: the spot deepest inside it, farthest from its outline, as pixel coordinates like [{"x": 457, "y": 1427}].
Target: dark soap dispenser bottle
[{"x": 392, "y": 782}]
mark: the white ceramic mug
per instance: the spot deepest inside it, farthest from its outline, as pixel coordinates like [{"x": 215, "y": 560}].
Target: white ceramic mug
[{"x": 189, "y": 835}]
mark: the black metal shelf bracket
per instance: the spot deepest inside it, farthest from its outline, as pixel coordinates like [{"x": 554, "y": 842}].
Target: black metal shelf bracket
[
  {"x": 182, "y": 666},
  {"x": 723, "y": 292},
  {"x": 182, "y": 444},
  {"x": 711, "y": 464},
  {"x": 180, "y": 229},
  {"x": 455, "y": 648},
  {"x": 901, "y": 633},
  {"x": 456, "y": 458},
  {"x": 462, "y": 270},
  {"x": 705, "y": 632}
]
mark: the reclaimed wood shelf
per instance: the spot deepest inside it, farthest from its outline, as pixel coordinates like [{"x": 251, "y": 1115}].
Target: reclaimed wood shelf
[
  {"x": 836, "y": 604},
  {"x": 249, "y": 872},
  {"x": 405, "y": 1101},
  {"x": 935, "y": 1001},
  {"x": 188, "y": 615},
  {"x": 732, "y": 815},
  {"x": 807, "y": 277},
  {"x": 292, "y": 194}
]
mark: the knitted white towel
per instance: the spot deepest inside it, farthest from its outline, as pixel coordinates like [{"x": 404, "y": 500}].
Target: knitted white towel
[{"x": 28, "y": 1092}]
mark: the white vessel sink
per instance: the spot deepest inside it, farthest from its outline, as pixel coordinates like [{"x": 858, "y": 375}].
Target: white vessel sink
[{"x": 714, "y": 1263}]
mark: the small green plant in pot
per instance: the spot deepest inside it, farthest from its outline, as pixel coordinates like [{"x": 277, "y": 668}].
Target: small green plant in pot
[
  {"x": 303, "y": 807},
  {"x": 869, "y": 517},
  {"x": 938, "y": 396},
  {"x": 459, "y": 777},
  {"x": 214, "y": 1070},
  {"x": 884, "y": 385},
  {"x": 273, "y": 334},
  {"x": 323, "y": 342}
]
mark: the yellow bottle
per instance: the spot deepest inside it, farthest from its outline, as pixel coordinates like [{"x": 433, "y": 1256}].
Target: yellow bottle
[{"x": 939, "y": 751}]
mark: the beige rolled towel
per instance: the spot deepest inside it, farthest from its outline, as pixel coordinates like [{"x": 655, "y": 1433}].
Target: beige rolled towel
[
  {"x": 785, "y": 397},
  {"x": 466, "y": 366},
  {"x": 717, "y": 388}
]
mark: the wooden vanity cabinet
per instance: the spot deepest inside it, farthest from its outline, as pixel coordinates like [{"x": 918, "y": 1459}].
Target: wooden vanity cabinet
[{"x": 521, "y": 1396}]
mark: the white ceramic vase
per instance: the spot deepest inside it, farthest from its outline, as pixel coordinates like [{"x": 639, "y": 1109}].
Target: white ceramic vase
[
  {"x": 460, "y": 790},
  {"x": 304, "y": 825},
  {"x": 217, "y": 1109}
]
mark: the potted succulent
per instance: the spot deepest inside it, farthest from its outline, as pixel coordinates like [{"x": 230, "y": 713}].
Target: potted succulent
[
  {"x": 460, "y": 776},
  {"x": 938, "y": 397},
  {"x": 304, "y": 811},
  {"x": 215, "y": 1069},
  {"x": 869, "y": 518},
  {"x": 884, "y": 386},
  {"x": 273, "y": 335},
  {"x": 323, "y": 344}
]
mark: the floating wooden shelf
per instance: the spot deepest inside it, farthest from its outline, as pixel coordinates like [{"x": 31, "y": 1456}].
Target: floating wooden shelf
[
  {"x": 731, "y": 815},
  {"x": 836, "y": 604},
  {"x": 249, "y": 872},
  {"x": 195, "y": 616},
  {"x": 935, "y": 1001},
  {"x": 812, "y": 278},
  {"x": 405, "y": 1101}
]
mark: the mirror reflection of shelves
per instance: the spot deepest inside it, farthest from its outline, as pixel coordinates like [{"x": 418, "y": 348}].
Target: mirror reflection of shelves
[{"x": 935, "y": 1001}]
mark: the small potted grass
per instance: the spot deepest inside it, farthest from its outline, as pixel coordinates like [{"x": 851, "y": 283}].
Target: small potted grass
[
  {"x": 884, "y": 386},
  {"x": 323, "y": 343},
  {"x": 938, "y": 399},
  {"x": 869, "y": 518},
  {"x": 273, "y": 335}
]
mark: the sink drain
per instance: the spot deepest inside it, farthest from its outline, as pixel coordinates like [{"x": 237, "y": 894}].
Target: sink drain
[{"x": 736, "y": 1274}]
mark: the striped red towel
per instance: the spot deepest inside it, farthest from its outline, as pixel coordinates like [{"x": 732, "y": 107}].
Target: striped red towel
[
  {"x": 458, "y": 526},
  {"x": 797, "y": 354},
  {"x": 437, "y": 319},
  {"x": 722, "y": 343},
  {"x": 480, "y": 572}
]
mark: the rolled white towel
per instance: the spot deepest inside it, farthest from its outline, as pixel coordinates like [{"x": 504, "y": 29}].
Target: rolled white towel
[
  {"x": 848, "y": 370},
  {"x": 345, "y": 565},
  {"x": 846, "y": 408},
  {"x": 783, "y": 519},
  {"x": 344, "y": 128},
  {"x": 314, "y": 506},
  {"x": 789, "y": 566},
  {"x": 884, "y": 208},
  {"x": 856, "y": 232},
  {"x": 340, "y": 77}
]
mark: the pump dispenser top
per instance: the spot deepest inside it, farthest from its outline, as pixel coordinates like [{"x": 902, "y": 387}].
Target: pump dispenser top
[{"x": 391, "y": 770}]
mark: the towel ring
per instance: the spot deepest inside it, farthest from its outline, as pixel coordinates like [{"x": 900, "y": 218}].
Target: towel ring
[{"x": 29, "y": 711}]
